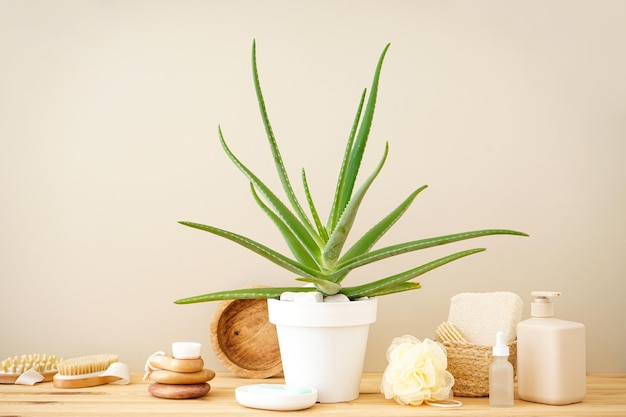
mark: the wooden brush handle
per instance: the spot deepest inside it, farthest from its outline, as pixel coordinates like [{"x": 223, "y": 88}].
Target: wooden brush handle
[
  {"x": 11, "y": 378},
  {"x": 84, "y": 382},
  {"x": 8, "y": 378}
]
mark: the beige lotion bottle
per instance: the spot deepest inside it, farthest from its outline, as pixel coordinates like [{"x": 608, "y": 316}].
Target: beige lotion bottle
[
  {"x": 501, "y": 390},
  {"x": 551, "y": 358}
]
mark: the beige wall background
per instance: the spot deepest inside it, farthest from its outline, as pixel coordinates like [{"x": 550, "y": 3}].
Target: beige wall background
[{"x": 513, "y": 112}]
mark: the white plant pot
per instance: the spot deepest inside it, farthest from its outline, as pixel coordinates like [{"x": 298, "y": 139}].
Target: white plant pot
[{"x": 322, "y": 345}]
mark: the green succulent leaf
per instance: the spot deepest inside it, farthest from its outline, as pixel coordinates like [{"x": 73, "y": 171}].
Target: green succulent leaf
[
  {"x": 243, "y": 294},
  {"x": 405, "y": 286},
  {"x": 390, "y": 282},
  {"x": 356, "y": 153},
  {"x": 256, "y": 247},
  {"x": 339, "y": 235},
  {"x": 323, "y": 285},
  {"x": 336, "y": 208},
  {"x": 369, "y": 239},
  {"x": 278, "y": 160},
  {"x": 309, "y": 241},
  {"x": 299, "y": 251},
  {"x": 318, "y": 223},
  {"x": 348, "y": 265}
]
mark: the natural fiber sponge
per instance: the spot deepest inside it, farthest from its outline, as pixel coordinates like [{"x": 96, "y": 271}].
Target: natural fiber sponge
[{"x": 479, "y": 316}]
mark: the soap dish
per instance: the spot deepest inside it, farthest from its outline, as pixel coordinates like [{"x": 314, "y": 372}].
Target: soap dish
[
  {"x": 244, "y": 340},
  {"x": 277, "y": 397}
]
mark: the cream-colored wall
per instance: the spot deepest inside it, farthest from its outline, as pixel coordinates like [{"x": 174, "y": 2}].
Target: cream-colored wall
[{"x": 513, "y": 112}]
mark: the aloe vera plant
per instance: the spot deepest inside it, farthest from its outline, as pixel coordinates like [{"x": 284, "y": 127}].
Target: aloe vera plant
[{"x": 317, "y": 249}]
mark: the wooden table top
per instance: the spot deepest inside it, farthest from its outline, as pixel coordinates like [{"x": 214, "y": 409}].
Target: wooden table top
[{"x": 606, "y": 396}]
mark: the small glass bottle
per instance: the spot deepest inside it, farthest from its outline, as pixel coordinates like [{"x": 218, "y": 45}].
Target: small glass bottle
[{"x": 501, "y": 390}]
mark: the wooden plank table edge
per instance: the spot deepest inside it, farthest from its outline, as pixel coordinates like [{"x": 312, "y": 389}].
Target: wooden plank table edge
[{"x": 606, "y": 396}]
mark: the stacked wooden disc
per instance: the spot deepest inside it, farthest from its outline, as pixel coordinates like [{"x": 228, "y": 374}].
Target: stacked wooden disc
[{"x": 175, "y": 378}]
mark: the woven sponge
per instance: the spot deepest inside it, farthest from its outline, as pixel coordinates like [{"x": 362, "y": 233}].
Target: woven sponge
[{"x": 480, "y": 315}]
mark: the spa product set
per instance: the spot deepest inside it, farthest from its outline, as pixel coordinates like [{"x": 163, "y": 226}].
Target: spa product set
[{"x": 487, "y": 344}]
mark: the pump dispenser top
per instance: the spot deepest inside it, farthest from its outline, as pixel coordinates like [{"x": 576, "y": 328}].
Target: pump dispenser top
[{"x": 542, "y": 304}]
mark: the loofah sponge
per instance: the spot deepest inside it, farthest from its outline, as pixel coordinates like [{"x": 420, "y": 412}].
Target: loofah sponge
[{"x": 479, "y": 316}]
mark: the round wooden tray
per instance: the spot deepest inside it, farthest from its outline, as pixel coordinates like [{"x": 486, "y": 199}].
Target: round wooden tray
[{"x": 244, "y": 340}]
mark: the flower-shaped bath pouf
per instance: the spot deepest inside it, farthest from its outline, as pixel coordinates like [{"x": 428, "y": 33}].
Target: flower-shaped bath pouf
[{"x": 416, "y": 371}]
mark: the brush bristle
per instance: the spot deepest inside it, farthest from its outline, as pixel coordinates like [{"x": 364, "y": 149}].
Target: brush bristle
[
  {"x": 36, "y": 361},
  {"x": 86, "y": 364}
]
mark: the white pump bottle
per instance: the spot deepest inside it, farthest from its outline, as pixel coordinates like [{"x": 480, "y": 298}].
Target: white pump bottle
[{"x": 551, "y": 365}]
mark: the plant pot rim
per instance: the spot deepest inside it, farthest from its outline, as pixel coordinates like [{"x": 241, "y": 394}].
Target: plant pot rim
[{"x": 353, "y": 313}]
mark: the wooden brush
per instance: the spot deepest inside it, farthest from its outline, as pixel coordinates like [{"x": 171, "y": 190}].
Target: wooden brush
[
  {"x": 85, "y": 371},
  {"x": 12, "y": 368}
]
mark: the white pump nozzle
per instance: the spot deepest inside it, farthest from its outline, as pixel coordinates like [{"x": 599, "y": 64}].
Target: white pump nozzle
[
  {"x": 542, "y": 305},
  {"x": 500, "y": 348}
]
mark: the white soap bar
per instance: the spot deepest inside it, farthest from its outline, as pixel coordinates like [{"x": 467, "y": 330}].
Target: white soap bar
[
  {"x": 186, "y": 350},
  {"x": 479, "y": 316},
  {"x": 276, "y": 397}
]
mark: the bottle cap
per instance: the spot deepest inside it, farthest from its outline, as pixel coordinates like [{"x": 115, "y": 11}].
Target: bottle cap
[{"x": 500, "y": 348}]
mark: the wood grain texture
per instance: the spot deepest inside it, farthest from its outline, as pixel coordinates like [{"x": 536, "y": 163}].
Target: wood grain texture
[
  {"x": 86, "y": 382},
  {"x": 244, "y": 340},
  {"x": 606, "y": 396}
]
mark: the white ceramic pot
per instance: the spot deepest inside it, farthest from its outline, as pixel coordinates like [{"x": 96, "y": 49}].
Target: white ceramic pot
[{"x": 322, "y": 345}]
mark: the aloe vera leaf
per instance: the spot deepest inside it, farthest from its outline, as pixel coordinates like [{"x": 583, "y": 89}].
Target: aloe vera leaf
[
  {"x": 390, "y": 282},
  {"x": 258, "y": 248},
  {"x": 393, "y": 250},
  {"x": 278, "y": 160},
  {"x": 301, "y": 254},
  {"x": 358, "y": 149},
  {"x": 321, "y": 230},
  {"x": 336, "y": 209},
  {"x": 405, "y": 286},
  {"x": 369, "y": 239},
  {"x": 243, "y": 294},
  {"x": 310, "y": 241},
  {"x": 324, "y": 286},
  {"x": 338, "y": 237}
]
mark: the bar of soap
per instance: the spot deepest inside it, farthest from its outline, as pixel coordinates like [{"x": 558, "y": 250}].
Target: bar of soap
[
  {"x": 479, "y": 316},
  {"x": 186, "y": 350},
  {"x": 178, "y": 392}
]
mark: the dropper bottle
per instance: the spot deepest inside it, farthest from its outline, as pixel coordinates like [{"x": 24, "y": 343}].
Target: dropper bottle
[{"x": 501, "y": 390}]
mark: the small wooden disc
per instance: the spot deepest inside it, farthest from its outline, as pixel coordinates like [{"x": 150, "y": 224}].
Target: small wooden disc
[
  {"x": 244, "y": 340},
  {"x": 169, "y": 377},
  {"x": 178, "y": 392}
]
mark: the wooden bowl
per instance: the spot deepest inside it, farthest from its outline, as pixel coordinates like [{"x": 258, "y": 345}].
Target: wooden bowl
[{"x": 244, "y": 340}]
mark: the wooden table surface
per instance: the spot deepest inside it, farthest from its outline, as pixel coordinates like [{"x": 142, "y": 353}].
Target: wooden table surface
[{"x": 606, "y": 396}]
